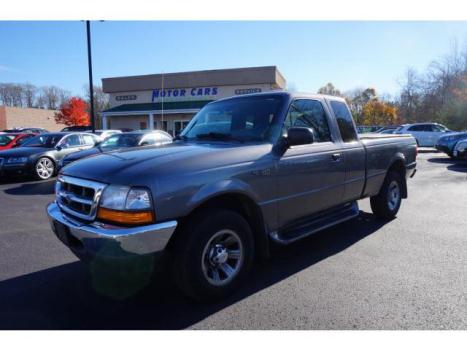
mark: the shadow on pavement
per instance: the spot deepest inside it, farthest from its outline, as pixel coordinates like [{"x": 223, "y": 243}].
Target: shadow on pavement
[
  {"x": 459, "y": 165},
  {"x": 33, "y": 188},
  {"x": 63, "y": 297}
]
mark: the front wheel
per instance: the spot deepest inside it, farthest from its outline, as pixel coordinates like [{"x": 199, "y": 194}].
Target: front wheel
[
  {"x": 214, "y": 255},
  {"x": 387, "y": 202},
  {"x": 44, "y": 168}
]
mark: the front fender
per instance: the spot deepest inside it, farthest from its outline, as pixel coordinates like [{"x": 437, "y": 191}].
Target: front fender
[{"x": 228, "y": 186}]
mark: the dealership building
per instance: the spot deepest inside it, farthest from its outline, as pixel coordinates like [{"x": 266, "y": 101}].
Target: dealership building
[{"x": 169, "y": 101}]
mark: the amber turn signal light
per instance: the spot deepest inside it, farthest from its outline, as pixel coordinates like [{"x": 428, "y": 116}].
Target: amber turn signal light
[{"x": 126, "y": 217}]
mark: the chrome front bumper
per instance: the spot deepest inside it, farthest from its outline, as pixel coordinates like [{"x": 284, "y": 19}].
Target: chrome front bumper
[{"x": 108, "y": 241}]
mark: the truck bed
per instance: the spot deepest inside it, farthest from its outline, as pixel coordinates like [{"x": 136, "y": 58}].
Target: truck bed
[{"x": 380, "y": 152}]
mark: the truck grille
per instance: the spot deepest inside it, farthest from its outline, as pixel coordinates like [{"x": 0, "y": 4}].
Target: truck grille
[{"x": 78, "y": 197}]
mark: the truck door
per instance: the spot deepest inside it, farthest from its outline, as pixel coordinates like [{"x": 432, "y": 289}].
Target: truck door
[
  {"x": 354, "y": 153},
  {"x": 310, "y": 177}
]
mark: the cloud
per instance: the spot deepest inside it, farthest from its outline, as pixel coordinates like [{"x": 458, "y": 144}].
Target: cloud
[{"x": 4, "y": 68}]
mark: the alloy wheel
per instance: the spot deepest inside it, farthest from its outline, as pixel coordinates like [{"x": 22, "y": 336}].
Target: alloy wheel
[
  {"x": 44, "y": 168},
  {"x": 222, "y": 257}
]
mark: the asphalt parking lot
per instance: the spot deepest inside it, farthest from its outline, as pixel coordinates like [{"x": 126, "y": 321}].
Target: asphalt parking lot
[{"x": 410, "y": 273}]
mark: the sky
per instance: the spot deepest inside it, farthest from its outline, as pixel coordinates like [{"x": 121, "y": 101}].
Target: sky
[{"x": 310, "y": 54}]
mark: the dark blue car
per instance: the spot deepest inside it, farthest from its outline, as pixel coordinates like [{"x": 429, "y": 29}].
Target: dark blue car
[{"x": 446, "y": 143}]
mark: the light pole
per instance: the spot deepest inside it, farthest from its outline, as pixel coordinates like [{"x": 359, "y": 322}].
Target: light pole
[{"x": 91, "y": 87}]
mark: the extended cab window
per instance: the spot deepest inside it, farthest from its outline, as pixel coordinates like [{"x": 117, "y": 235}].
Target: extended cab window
[
  {"x": 344, "y": 121},
  {"x": 309, "y": 114}
]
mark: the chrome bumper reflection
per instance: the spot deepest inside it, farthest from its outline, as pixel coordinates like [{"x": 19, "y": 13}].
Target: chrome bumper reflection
[{"x": 107, "y": 240}]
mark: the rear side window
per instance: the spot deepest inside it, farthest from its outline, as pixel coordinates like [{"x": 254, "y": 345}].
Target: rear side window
[
  {"x": 72, "y": 141},
  {"x": 344, "y": 121},
  {"x": 420, "y": 128},
  {"x": 309, "y": 114},
  {"x": 89, "y": 140}
]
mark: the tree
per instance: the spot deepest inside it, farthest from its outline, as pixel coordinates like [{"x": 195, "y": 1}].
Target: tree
[
  {"x": 357, "y": 99},
  {"x": 29, "y": 95},
  {"x": 101, "y": 99},
  {"x": 379, "y": 113},
  {"x": 73, "y": 112},
  {"x": 329, "y": 89},
  {"x": 52, "y": 97}
]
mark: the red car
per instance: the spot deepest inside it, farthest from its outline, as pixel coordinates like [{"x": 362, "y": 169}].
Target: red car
[{"x": 11, "y": 140}]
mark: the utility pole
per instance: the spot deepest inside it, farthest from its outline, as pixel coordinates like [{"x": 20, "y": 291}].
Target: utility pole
[{"x": 91, "y": 87}]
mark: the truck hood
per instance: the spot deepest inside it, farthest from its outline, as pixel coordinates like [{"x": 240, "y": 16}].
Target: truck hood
[{"x": 143, "y": 165}]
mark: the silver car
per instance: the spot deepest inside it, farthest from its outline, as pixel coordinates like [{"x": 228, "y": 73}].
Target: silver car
[{"x": 426, "y": 134}]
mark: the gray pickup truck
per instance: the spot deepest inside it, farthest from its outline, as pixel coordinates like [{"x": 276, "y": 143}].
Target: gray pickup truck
[{"x": 246, "y": 173}]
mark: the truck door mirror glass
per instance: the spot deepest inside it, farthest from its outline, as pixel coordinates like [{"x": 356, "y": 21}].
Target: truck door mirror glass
[{"x": 300, "y": 136}]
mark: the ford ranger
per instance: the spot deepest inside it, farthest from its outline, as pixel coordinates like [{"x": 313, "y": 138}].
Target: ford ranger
[{"x": 246, "y": 173}]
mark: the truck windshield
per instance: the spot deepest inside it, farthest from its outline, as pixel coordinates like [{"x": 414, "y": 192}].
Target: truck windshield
[{"x": 252, "y": 118}]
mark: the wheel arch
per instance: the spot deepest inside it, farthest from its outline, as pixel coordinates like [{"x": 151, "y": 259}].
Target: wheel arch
[
  {"x": 398, "y": 165},
  {"x": 240, "y": 203}
]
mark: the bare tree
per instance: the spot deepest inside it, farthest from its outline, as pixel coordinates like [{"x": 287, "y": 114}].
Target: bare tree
[
  {"x": 329, "y": 89},
  {"x": 29, "y": 95},
  {"x": 53, "y": 96},
  {"x": 101, "y": 99}
]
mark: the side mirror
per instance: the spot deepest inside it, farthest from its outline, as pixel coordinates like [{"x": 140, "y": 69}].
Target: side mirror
[
  {"x": 59, "y": 147},
  {"x": 300, "y": 136},
  {"x": 145, "y": 143}
]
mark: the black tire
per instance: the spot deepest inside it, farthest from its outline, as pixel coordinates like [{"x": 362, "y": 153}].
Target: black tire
[
  {"x": 385, "y": 205},
  {"x": 193, "y": 269},
  {"x": 48, "y": 168}
]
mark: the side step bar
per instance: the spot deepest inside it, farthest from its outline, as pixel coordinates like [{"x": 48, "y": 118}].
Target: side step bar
[{"x": 318, "y": 223}]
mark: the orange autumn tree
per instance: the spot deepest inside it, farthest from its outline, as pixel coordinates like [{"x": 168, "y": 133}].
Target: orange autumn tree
[
  {"x": 379, "y": 113},
  {"x": 73, "y": 113}
]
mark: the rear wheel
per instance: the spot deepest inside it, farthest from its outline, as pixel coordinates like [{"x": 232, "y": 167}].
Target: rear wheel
[
  {"x": 387, "y": 202},
  {"x": 44, "y": 168},
  {"x": 214, "y": 253}
]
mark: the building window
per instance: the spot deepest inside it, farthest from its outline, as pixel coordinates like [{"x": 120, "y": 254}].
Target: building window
[{"x": 179, "y": 125}]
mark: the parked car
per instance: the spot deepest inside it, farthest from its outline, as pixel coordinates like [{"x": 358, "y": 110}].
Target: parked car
[
  {"x": 247, "y": 171},
  {"x": 82, "y": 128},
  {"x": 426, "y": 134},
  {"x": 12, "y": 140},
  {"x": 460, "y": 149},
  {"x": 119, "y": 142},
  {"x": 446, "y": 143},
  {"x": 40, "y": 155},
  {"x": 386, "y": 129},
  {"x": 363, "y": 129},
  {"x": 27, "y": 130},
  {"x": 103, "y": 134}
]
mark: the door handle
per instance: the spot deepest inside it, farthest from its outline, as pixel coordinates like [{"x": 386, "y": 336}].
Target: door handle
[{"x": 336, "y": 157}]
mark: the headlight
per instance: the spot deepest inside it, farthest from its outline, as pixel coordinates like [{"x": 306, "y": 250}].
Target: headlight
[
  {"x": 125, "y": 198},
  {"x": 114, "y": 197},
  {"x": 16, "y": 160},
  {"x": 125, "y": 205},
  {"x": 138, "y": 199}
]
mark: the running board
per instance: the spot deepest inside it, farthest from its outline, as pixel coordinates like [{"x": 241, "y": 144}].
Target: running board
[{"x": 318, "y": 223}]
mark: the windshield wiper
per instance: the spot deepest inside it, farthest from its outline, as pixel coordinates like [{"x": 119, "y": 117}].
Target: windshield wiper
[{"x": 218, "y": 136}]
